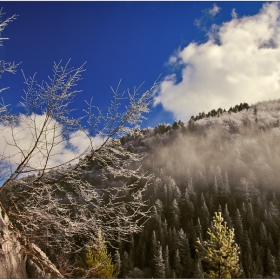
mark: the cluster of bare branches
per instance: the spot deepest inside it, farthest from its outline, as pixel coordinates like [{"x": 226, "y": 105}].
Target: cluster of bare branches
[
  {"x": 5, "y": 66},
  {"x": 45, "y": 190}
]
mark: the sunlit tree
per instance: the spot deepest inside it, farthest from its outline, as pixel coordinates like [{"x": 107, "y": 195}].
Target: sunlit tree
[
  {"x": 96, "y": 262},
  {"x": 219, "y": 253}
]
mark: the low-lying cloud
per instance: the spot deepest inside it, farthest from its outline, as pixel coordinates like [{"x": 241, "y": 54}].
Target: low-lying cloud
[{"x": 240, "y": 62}]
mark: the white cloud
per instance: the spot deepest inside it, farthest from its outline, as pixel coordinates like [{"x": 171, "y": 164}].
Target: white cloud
[
  {"x": 208, "y": 14},
  {"x": 17, "y": 142},
  {"x": 233, "y": 13},
  {"x": 240, "y": 62},
  {"x": 215, "y": 10}
]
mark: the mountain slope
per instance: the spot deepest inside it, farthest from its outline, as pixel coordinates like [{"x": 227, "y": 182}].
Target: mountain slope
[{"x": 228, "y": 163}]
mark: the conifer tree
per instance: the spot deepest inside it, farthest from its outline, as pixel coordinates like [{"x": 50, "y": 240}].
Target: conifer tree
[
  {"x": 269, "y": 264},
  {"x": 277, "y": 262},
  {"x": 238, "y": 225},
  {"x": 143, "y": 255},
  {"x": 177, "y": 265},
  {"x": 263, "y": 235},
  {"x": 164, "y": 232},
  {"x": 175, "y": 214},
  {"x": 220, "y": 253},
  {"x": 227, "y": 216},
  {"x": 97, "y": 263},
  {"x": 198, "y": 228},
  {"x": 131, "y": 249},
  {"x": 125, "y": 264},
  {"x": 198, "y": 271},
  {"x": 159, "y": 265},
  {"x": 166, "y": 263},
  {"x": 247, "y": 256},
  {"x": 117, "y": 260},
  {"x": 215, "y": 188},
  {"x": 184, "y": 251},
  {"x": 188, "y": 206},
  {"x": 153, "y": 247},
  {"x": 203, "y": 212}
]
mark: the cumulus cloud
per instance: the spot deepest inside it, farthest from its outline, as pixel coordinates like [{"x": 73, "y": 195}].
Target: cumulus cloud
[
  {"x": 240, "y": 62},
  {"x": 17, "y": 141}
]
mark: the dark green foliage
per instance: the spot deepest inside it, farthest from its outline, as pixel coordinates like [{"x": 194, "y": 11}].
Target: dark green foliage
[
  {"x": 177, "y": 265},
  {"x": 198, "y": 271},
  {"x": 229, "y": 179},
  {"x": 220, "y": 111},
  {"x": 180, "y": 219},
  {"x": 167, "y": 263},
  {"x": 159, "y": 264}
]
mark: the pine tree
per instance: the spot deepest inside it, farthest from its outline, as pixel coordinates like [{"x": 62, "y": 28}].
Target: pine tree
[
  {"x": 159, "y": 265},
  {"x": 247, "y": 256},
  {"x": 97, "y": 263},
  {"x": 227, "y": 216},
  {"x": 198, "y": 271},
  {"x": 277, "y": 262},
  {"x": 203, "y": 212},
  {"x": 143, "y": 255},
  {"x": 131, "y": 249},
  {"x": 188, "y": 207},
  {"x": 117, "y": 260},
  {"x": 263, "y": 235},
  {"x": 215, "y": 188},
  {"x": 238, "y": 225},
  {"x": 153, "y": 247},
  {"x": 166, "y": 263},
  {"x": 177, "y": 264},
  {"x": 220, "y": 253},
  {"x": 125, "y": 265},
  {"x": 175, "y": 214},
  {"x": 185, "y": 254},
  {"x": 198, "y": 229},
  {"x": 269, "y": 264}
]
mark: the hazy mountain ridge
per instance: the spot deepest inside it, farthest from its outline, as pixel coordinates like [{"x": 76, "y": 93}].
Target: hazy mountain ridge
[{"x": 249, "y": 138}]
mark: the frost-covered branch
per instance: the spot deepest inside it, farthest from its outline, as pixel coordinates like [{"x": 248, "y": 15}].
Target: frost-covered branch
[
  {"x": 49, "y": 195},
  {"x": 62, "y": 181}
]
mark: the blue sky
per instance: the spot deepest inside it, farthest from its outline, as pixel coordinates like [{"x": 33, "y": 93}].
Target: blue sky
[{"x": 196, "y": 46}]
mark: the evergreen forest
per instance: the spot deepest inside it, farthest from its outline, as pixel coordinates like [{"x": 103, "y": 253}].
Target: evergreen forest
[{"x": 228, "y": 163}]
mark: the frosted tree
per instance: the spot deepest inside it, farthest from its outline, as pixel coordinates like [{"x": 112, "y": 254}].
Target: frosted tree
[
  {"x": 159, "y": 264},
  {"x": 220, "y": 253},
  {"x": 5, "y": 66},
  {"x": 117, "y": 261},
  {"x": 48, "y": 156},
  {"x": 166, "y": 263}
]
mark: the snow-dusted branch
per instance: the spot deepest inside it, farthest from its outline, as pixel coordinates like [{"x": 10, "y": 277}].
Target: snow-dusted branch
[
  {"x": 63, "y": 181},
  {"x": 51, "y": 196}
]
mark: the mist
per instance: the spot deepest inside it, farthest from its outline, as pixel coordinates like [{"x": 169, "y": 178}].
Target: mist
[{"x": 243, "y": 145}]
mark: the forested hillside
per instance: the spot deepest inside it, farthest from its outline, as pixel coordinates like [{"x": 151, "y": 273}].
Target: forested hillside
[
  {"x": 190, "y": 172},
  {"x": 230, "y": 164}
]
